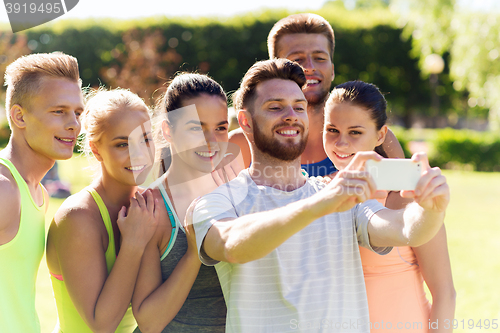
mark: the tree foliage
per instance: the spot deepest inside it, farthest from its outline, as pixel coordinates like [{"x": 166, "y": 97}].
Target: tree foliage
[
  {"x": 475, "y": 64},
  {"x": 471, "y": 41},
  {"x": 145, "y": 54},
  {"x": 12, "y": 46},
  {"x": 428, "y": 23}
]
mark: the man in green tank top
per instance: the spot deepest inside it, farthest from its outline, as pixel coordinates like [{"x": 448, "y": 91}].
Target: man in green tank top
[{"x": 43, "y": 105}]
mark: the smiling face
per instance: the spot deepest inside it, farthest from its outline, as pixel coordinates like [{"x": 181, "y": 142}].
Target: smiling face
[
  {"x": 311, "y": 51},
  {"x": 199, "y": 137},
  {"x": 51, "y": 122},
  {"x": 349, "y": 129},
  {"x": 126, "y": 148},
  {"x": 279, "y": 119}
]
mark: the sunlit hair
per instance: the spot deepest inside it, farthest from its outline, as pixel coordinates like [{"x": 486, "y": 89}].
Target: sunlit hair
[
  {"x": 305, "y": 23},
  {"x": 364, "y": 95},
  {"x": 263, "y": 71},
  {"x": 183, "y": 87},
  {"x": 187, "y": 86},
  {"x": 23, "y": 77},
  {"x": 101, "y": 105}
]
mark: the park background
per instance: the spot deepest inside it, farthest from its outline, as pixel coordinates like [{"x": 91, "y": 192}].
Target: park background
[{"x": 437, "y": 60}]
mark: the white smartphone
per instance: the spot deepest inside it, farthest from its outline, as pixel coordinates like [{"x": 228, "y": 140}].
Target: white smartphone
[{"x": 394, "y": 174}]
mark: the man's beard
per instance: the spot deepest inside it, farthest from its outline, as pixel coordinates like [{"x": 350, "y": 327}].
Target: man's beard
[{"x": 273, "y": 147}]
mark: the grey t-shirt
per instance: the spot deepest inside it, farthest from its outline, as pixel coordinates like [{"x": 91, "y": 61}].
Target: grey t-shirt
[{"x": 312, "y": 282}]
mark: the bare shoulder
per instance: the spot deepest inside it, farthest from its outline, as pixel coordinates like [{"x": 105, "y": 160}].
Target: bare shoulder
[
  {"x": 9, "y": 205},
  {"x": 76, "y": 229},
  {"x": 75, "y": 205},
  {"x": 237, "y": 137},
  {"x": 78, "y": 215},
  {"x": 8, "y": 186}
]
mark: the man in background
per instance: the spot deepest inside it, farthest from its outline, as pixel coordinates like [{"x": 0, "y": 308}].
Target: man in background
[{"x": 309, "y": 40}]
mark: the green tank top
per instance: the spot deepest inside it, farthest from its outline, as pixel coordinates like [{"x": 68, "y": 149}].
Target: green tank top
[
  {"x": 69, "y": 320},
  {"x": 19, "y": 262}
]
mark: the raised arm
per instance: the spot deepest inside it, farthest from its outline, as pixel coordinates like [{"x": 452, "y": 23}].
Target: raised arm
[
  {"x": 419, "y": 221},
  {"x": 435, "y": 266},
  {"x": 253, "y": 236},
  {"x": 392, "y": 147},
  {"x": 156, "y": 303},
  {"x": 101, "y": 300}
]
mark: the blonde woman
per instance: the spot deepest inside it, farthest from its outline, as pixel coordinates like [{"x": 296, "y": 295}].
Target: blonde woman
[{"x": 98, "y": 236}]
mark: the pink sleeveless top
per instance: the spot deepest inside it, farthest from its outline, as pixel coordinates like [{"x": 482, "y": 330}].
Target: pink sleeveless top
[{"x": 395, "y": 290}]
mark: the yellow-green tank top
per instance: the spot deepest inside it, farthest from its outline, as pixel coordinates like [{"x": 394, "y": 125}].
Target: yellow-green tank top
[
  {"x": 19, "y": 262},
  {"x": 69, "y": 320}
]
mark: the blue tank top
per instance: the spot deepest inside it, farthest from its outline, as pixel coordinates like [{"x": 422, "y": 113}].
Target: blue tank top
[{"x": 321, "y": 168}]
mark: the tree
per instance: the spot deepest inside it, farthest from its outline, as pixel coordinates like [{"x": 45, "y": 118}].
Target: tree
[
  {"x": 472, "y": 40},
  {"x": 474, "y": 60},
  {"x": 12, "y": 46},
  {"x": 141, "y": 64}
]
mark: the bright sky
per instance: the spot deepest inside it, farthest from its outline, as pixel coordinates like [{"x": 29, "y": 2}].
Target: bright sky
[
  {"x": 484, "y": 5},
  {"x": 187, "y": 7},
  {"x": 144, "y": 8}
]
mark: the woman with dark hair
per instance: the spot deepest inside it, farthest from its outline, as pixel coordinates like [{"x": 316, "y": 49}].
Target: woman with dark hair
[
  {"x": 195, "y": 128},
  {"x": 355, "y": 120}
]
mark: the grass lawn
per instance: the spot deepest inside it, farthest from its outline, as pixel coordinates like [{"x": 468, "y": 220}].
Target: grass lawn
[{"x": 472, "y": 227}]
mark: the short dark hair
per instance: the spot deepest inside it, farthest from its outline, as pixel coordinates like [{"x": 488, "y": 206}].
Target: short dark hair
[
  {"x": 262, "y": 71},
  {"x": 305, "y": 23}
]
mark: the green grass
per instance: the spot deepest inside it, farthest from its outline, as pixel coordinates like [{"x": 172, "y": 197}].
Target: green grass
[
  {"x": 472, "y": 224},
  {"x": 473, "y": 227}
]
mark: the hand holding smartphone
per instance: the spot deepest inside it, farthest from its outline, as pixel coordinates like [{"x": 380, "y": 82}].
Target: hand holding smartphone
[{"x": 394, "y": 174}]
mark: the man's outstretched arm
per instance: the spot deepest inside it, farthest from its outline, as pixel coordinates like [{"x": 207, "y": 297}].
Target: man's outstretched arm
[
  {"x": 420, "y": 220},
  {"x": 253, "y": 236},
  {"x": 250, "y": 237}
]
